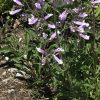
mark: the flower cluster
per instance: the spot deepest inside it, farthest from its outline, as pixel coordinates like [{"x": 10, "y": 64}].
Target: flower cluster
[
  {"x": 76, "y": 25},
  {"x": 54, "y": 55},
  {"x": 13, "y": 12}
]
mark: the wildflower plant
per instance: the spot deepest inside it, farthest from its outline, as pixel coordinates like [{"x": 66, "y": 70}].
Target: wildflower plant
[{"x": 59, "y": 53}]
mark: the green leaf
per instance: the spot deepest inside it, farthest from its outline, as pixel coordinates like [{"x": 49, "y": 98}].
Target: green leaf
[{"x": 97, "y": 11}]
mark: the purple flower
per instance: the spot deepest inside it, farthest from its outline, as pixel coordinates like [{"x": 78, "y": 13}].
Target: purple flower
[
  {"x": 53, "y": 36},
  {"x": 52, "y": 26},
  {"x": 14, "y": 11},
  {"x": 80, "y": 29},
  {"x": 40, "y": 50},
  {"x": 24, "y": 14},
  {"x": 59, "y": 50},
  {"x": 44, "y": 35},
  {"x": 81, "y": 23},
  {"x": 72, "y": 28},
  {"x": 86, "y": 37},
  {"x": 57, "y": 59},
  {"x": 63, "y": 16},
  {"x": 76, "y": 10},
  {"x": 18, "y": 2},
  {"x": 83, "y": 15},
  {"x": 32, "y": 20},
  {"x": 41, "y": 1},
  {"x": 38, "y": 5},
  {"x": 95, "y": 2},
  {"x": 48, "y": 16}
]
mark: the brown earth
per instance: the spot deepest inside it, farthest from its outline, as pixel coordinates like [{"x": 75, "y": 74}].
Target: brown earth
[{"x": 12, "y": 88}]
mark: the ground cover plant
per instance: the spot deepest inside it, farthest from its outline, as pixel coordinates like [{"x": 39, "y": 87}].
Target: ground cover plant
[{"x": 55, "y": 45}]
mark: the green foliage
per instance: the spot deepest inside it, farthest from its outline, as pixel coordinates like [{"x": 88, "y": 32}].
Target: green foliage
[
  {"x": 78, "y": 78},
  {"x": 5, "y": 5}
]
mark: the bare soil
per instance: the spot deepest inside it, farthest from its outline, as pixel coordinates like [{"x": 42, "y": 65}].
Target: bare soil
[{"x": 12, "y": 88}]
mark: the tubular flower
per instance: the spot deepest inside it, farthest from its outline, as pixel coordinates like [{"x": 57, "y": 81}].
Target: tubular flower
[
  {"x": 38, "y": 5},
  {"x": 53, "y": 36},
  {"x": 40, "y": 50},
  {"x": 45, "y": 35},
  {"x": 83, "y": 15},
  {"x": 32, "y": 20},
  {"x": 80, "y": 29},
  {"x": 63, "y": 15},
  {"x": 48, "y": 16},
  {"x": 83, "y": 24},
  {"x": 14, "y": 11},
  {"x": 18, "y": 2},
  {"x": 86, "y": 37},
  {"x": 95, "y": 2},
  {"x": 41, "y": 1},
  {"x": 57, "y": 59},
  {"x": 59, "y": 50},
  {"x": 72, "y": 28},
  {"x": 52, "y": 26},
  {"x": 76, "y": 10}
]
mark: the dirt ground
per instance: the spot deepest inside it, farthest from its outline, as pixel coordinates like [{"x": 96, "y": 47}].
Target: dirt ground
[{"x": 12, "y": 88}]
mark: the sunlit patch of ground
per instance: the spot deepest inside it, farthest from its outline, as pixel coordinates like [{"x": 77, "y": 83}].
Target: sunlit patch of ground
[{"x": 12, "y": 88}]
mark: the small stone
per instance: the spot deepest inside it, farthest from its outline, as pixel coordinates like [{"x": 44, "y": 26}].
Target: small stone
[
  {"x": 6, "y": 58},
  {"x": 12, "y": 90},
  {"x": 12, "y": 69}
]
